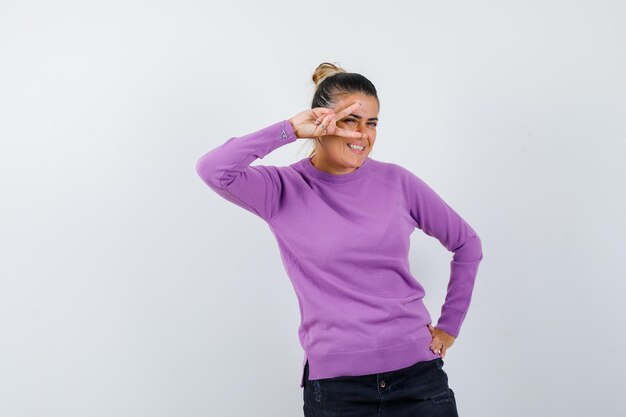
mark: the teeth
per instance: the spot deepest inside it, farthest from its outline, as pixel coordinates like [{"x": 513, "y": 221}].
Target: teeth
[{"x": 356, "y": 146}]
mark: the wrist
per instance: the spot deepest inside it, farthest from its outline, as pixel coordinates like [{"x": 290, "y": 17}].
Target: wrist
[{"x": 293, "y": 127}]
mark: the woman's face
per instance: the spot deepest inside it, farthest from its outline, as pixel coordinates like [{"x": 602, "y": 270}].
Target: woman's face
[{"x": 332, "y": 153}]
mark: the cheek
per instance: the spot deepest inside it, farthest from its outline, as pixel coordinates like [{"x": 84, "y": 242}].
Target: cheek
[{"x": 337, "y": 147}]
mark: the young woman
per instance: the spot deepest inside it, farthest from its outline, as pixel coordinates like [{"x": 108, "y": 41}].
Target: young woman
[{"x": 342, "y": 221}]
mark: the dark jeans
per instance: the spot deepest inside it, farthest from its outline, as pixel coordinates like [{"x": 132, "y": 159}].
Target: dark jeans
[{"x": 420, "y": 390}]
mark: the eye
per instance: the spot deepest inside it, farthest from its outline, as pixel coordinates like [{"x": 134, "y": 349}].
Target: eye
[
  {"x": 374, "y": 124},
  {"x": 349, "y": 120}
]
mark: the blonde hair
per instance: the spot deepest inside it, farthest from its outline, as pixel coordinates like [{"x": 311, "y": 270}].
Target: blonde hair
[{"x": 325, "y": 70}]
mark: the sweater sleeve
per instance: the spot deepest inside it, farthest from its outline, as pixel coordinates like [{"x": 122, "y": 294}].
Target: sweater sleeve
[
  {"x": 227, "y": 170},
  {"x": 436, "y": 218}
]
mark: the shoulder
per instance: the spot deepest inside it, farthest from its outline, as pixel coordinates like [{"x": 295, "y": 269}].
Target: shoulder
[
  {"x": 401, "y": 179},
  {"x": 391, "y": 173}
]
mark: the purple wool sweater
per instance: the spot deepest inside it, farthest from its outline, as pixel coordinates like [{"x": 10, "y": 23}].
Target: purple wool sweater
[{"x": 344, "y": 242}]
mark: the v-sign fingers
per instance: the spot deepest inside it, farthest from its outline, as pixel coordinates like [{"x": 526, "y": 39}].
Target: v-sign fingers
[
  {"x": 343, "y": 113},
  {"x": 347, "y": 133}
]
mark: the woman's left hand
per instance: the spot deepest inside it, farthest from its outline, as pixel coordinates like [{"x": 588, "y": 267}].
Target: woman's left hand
[{"x": 440, "y": 338}]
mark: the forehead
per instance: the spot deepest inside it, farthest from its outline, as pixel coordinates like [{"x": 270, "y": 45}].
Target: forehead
[{"x": 368, "y": 108}]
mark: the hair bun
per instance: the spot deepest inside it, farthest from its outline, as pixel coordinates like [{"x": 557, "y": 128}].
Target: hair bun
[{"x": 325, "y": 70}]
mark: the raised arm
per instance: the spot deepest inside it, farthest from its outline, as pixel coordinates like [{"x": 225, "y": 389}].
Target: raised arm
[
  {"x": 436, "y": 218},
  {"x": 227, "y": 170}
]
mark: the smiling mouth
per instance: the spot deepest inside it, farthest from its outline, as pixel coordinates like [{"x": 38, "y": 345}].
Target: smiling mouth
[{"x": 358, "y": 149}]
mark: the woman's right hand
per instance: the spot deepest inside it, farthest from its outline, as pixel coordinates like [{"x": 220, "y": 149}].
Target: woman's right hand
[{"x": 308, "y": 124}]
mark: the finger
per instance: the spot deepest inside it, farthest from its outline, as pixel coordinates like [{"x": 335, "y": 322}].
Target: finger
[
  {"x": 348, "y": 133},
  {"x": 434, "y": 345},
  {"x": 320, "y": 112},
  {"x": 343, "y": 113},
  {"x": 325, "y": 122},
  {"x": 435, "y": 342},
  {"x": 347, "y": 110}
]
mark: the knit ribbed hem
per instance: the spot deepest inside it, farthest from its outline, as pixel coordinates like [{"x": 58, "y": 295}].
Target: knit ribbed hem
[{"x": 365, "y": 362}]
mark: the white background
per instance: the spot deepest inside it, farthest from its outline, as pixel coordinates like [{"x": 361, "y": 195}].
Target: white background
[{"x": 128, "y": 288}]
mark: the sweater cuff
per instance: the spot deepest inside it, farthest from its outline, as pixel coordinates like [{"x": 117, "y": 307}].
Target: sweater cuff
[
  {"x": 264, "y": 141},
  {"x": 287, "y": 133},
  {"x": 450, "y": 321},
  {"x": 282, "y": 134}
]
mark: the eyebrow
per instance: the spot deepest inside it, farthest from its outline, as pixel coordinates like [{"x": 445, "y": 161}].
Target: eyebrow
[{"x": 359, "y": 117}]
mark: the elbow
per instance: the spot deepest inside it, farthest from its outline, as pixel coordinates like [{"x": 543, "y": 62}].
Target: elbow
[
  {"x": 471, "y": 250},
  {"x": 209, "y": 172},
  {"x": 475, "y": 247}
]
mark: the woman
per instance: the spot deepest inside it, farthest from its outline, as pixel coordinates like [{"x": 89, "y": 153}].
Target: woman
[{"x": 342, "y": 221}]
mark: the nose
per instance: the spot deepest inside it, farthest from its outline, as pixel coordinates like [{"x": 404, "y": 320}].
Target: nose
[{"x": 362, "y": 129}]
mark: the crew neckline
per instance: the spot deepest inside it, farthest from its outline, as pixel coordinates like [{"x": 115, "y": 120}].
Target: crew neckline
[{"x": 335, "y": 178}]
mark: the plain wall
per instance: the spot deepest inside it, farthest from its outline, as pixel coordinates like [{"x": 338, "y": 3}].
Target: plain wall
[{"x": 129, "y": 288}]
